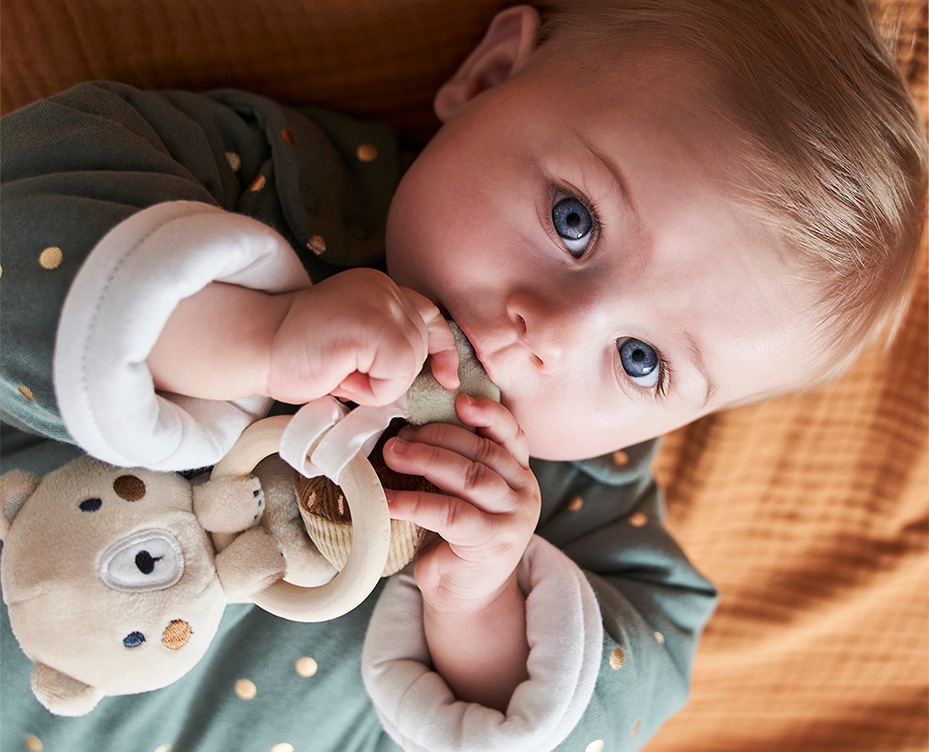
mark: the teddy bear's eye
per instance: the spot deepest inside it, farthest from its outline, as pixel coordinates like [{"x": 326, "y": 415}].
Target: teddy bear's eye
[
  {"x": 133, "y": 639},
  {"x": 90, "y": 505}
]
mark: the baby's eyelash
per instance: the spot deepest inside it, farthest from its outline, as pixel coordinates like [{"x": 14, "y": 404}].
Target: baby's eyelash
[{"x": 664, "y": 378}]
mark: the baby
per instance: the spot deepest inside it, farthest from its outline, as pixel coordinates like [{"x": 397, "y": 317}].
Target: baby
[{"x": 638, "y": 213}]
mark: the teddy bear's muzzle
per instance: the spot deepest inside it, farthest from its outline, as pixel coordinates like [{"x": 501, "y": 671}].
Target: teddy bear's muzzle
[{"x": 150, "y": 560}]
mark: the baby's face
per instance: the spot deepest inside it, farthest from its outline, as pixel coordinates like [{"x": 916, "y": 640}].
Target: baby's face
[{"x": 574, "y": 224}]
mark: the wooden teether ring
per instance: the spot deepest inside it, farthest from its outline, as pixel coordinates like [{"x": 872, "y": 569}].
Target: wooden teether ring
[{"x": 370, "y": 536}]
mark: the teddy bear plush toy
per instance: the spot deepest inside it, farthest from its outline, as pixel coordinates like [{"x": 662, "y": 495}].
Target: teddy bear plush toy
[{"x": 116, "y": 579}]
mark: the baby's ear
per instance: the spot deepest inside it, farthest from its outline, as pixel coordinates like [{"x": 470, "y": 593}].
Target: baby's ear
[{"x": 509, "y": 40}]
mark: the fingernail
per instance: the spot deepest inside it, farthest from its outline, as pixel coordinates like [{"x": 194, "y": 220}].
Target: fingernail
[
  {"x": 398, "y": 446},
  {"x": 389, "y": 495}
]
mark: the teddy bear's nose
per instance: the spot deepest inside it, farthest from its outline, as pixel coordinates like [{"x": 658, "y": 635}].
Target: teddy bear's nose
[
  {"x": 146, "y": 562},
  {"x": 150, "y": 560}
]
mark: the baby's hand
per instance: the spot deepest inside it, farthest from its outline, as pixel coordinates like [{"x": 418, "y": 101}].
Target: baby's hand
[
  {"x": 360, "y": 337},
  {"x": 489, "y": 510}
]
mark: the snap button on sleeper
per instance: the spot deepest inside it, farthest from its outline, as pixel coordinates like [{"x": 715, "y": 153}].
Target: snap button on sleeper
[
  {"x": 575, "y": 504},
  {"x": 620, "y": 458},
  {"x": 234, "y": 160},
  {"x": 51, "y": 258},
  {"x": 366, "y": 152},
  {"x": 245, "y": 689},
  {"x": 317, "y": 244},
  {"x": 306, "y": 667}
]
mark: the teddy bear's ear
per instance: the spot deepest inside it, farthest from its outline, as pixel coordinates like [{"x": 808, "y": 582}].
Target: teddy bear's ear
[
  {"x": 15, "y": 487},
  {"x": 62, "y": 694}
]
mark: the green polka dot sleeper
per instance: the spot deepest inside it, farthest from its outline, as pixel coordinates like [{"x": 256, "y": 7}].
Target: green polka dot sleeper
[{"x": 615, "y": 609}]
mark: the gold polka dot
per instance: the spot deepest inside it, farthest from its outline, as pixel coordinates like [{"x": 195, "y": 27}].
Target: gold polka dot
[
  {"x": 317, "y": 244},
  {"x": 639, "y": 519},
  {"x": 287, "y": 136},
  {"x": 258, "y": 183},
  {"x": 176, "y": 635},
  {"x": 617, "y": 658},
  {"x": 575, "y": 504},
  {"x": 34, "y": 744},
  {"x": 283, "y": 747},
  {"x": 234, "y": 160},
  {"x": 620, "y": 458},
  {"x": 129, "y": 487},
  {"x": 1, "y": 271},
  {"x": 595, "y": 746},
  {"x": 162, "y": 748},
  {"x": 366, "y": 152},
  {"x": 51, "y": 257},
  {"x": 635, "y": 727},
  {"x": 306, "y": 667},
  {"x": 659, "y": 638},
  {"x": 26, "y": 392},
  {"x": 245, "y": 689}
]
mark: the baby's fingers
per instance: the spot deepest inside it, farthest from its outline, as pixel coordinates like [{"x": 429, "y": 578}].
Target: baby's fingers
[
  {"x": 456, "y": 521},
  {"x": 494, "y": 422},
  {"x": 474, "y": 480},
  {"x": 440, "y": 341}
]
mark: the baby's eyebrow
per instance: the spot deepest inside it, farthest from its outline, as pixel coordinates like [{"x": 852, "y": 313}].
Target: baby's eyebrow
[
  {"x": 697, "y": 358},
  {"x": 612, "y": 168}
]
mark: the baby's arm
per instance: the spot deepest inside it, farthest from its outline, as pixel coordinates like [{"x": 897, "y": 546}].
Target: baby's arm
[
  {"x": 140, "y": 207},
  {"x": 613, "y": 615},
  {"x": 473, "y": 607},
  {"x": 355, "y": 335},
  {"x": 62, "y": 190},
  {"x": 89, "y": 176}
]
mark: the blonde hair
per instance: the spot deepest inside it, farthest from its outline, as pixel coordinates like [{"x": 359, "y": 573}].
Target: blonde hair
[{"x": 835, "y": 150}]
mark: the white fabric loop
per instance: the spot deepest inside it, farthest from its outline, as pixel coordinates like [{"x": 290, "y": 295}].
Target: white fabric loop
[
  {"x": 115, "y": 311},
  {"x": 356, "y": 432},
  {"x": 305, "y": 430},
  {"x": 565, "y": 634}
]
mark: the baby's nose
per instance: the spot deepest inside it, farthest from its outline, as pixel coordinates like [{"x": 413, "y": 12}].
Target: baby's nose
[{"x": 543, "y": 330}]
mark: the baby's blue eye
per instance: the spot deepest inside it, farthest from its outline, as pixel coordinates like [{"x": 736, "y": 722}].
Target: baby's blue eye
[
  {"x": 573, "y": 224},
  {"x": 640, "y": 361}
]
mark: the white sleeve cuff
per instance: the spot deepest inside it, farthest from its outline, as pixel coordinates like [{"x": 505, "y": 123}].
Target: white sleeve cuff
[
  {"x": 116, "y": 309},
  {"x": 565, "y": 633}
]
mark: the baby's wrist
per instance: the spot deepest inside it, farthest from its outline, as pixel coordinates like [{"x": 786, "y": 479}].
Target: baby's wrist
[
  {"x": 217, "y": 343},
  {"x": 503, "y": 599}
]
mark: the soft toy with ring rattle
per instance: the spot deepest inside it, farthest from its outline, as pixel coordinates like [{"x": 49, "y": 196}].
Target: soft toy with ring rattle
[{"x": 116, "y": 579}]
